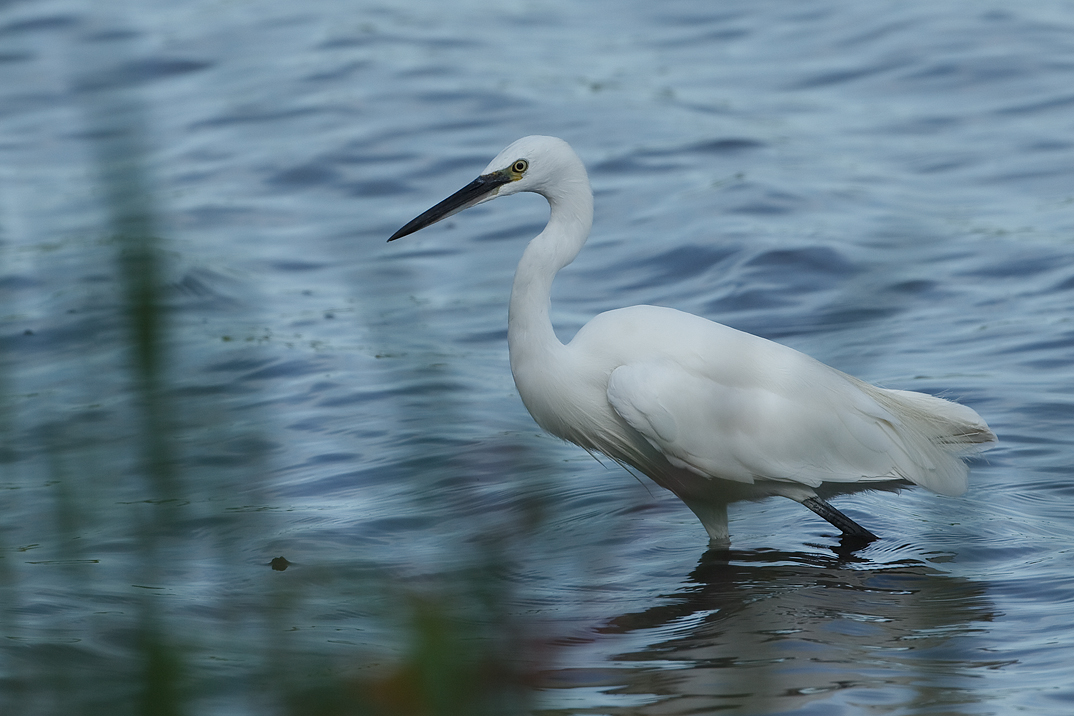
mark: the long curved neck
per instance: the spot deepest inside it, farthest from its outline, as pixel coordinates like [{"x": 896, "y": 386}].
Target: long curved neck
[{"x": 529, "y": 333}]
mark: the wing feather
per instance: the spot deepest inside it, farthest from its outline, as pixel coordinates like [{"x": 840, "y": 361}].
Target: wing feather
[{"x": 745, "y": 432}]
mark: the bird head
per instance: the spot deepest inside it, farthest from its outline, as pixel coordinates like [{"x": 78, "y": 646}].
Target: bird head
[{"x": 528, "y": 164}]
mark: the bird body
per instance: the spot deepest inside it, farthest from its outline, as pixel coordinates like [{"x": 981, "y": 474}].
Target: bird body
[{"x": 713, "y": 414}]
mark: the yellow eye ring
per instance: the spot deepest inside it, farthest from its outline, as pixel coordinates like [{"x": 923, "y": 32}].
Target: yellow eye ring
[{"x": 520, "y": 166}]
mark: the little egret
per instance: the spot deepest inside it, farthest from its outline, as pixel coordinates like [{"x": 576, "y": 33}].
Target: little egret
[{"x": 711, "y": 413}]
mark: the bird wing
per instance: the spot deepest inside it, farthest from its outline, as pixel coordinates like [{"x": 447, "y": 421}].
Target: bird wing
[{"x": 806, "y": 429}]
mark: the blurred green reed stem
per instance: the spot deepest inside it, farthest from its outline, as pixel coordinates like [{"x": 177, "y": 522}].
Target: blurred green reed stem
[
  {"x": 117, "y": 130},
  {"x": 10, "y": 593},
  {"x": 121, "y": 154}
]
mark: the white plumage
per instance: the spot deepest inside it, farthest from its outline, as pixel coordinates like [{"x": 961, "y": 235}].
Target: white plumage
[{"x": 711, "y": 413}]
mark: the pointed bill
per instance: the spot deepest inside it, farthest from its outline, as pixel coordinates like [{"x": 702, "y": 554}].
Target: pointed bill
[{"x": 477, "y": 191}]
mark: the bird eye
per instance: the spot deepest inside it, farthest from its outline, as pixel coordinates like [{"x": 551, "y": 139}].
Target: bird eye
[{"x": 520, "y": 166}]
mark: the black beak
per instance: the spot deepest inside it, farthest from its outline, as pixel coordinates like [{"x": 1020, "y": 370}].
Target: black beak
[{"x": 472, "y": 193}]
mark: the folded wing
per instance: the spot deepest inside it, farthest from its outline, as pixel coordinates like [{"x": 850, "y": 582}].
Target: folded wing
[{"x": 811, "y": 427}]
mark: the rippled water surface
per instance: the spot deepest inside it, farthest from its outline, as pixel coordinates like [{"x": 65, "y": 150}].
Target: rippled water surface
[{"x": 210, "y": 357}]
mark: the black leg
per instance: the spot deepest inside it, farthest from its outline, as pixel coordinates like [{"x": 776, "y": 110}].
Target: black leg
[{"x": 848, "y": 526}]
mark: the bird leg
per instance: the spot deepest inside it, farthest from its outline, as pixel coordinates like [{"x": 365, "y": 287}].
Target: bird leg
[
  {"x": 848, "y": 526},
  {"x": 713, "y": 516}
]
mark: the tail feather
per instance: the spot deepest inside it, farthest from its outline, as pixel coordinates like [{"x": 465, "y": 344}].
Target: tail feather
[
  {"x": 955, "y": 424},
  {"x": 936, "y": 436}
]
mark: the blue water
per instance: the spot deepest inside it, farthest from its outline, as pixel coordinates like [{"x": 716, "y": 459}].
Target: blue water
[{"x": 888, "y": 187}]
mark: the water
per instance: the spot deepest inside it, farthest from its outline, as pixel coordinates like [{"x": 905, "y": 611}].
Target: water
[{"x": 887, "y": 188}]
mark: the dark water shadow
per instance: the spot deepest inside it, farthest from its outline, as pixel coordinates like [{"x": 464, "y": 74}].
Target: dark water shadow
[{"x": 770, "y": 632}]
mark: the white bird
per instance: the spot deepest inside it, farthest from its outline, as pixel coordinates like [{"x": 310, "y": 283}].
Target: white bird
[{"x": 711, "y": 413}]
